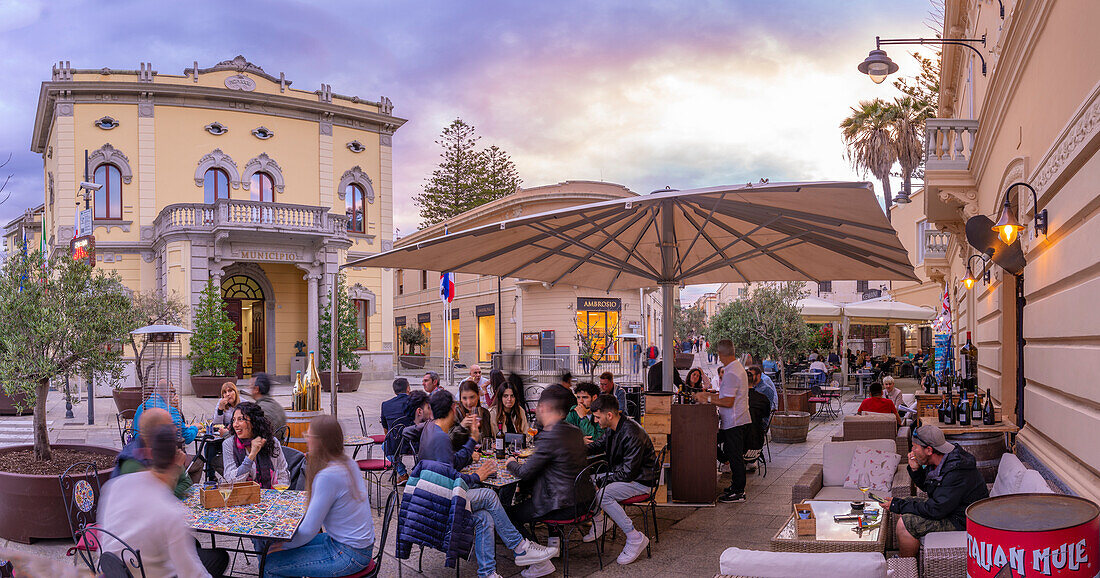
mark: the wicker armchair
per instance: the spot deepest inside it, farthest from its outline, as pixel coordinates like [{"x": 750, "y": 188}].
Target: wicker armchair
[{"x": 874, "y": 426}]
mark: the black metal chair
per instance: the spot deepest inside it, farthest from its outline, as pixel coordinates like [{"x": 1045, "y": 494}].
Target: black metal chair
[
  {"x": 128, "y": 435},
  {"x": 644, "y": 502},
  {"x": 80, "y": 492},
  {"x": 376, "y": 565},
  {"x": 283, "y": 435},
  {"x": 296, "y": 468},
  {"x": 375, "y": 470},
  {"x": 376, "y": 438},
  {"x": 584, "y": 514},
  {"x": 124, "y": 420},
  {"x": 112, "y": 564}
]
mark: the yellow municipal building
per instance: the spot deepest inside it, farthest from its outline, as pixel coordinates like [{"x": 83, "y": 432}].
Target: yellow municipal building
[{"x": 227, "y": 173}]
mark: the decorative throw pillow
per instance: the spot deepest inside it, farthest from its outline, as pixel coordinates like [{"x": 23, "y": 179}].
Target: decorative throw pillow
[{"x": 880, "y": 466}]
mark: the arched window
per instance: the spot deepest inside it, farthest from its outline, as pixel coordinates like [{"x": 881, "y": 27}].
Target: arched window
[
  {"x": 108, "y": 199},
  {"x": 215, "y": 186},
  {"x": 262, "y": 187},
  {"x": 356, "y": 209}
]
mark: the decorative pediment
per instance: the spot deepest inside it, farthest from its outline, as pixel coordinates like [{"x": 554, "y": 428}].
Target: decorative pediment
[
  {"x": 263, "y": 164},
  {"x": 217, "y": 159},
  {"x": 238, "y": 64},
  {"x": 356, "y": 176},
  {"x": 360, "y": 293},
  {"x": 108, "y": 154}
]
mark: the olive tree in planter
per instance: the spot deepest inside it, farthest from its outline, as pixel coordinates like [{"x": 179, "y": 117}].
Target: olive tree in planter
[
  {"x": 348, "y": 340},
  {"x": 57, "y": 317},
  {"x": 413, "y": 337},
  {"x": 214, "y": 345}
]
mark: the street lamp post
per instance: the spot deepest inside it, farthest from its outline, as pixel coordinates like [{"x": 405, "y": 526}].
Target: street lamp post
[{"x": 878, "y": 65}]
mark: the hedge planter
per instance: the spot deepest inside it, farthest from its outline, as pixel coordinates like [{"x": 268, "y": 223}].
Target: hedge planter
[
  {"x": 32, "y": 507},
  {"x": 412, "y": 361},
  {"x": 9, "y": 407},
  {"x": 127, "y": 398},
  {"x": 346, "y": 382},
  {"x": 210, "y": 385}
]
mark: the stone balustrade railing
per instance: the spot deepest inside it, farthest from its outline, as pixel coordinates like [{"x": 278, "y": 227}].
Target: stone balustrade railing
[
  {"x": 948, "y": 143},
  {"x": 935, "y": 244},
  {"x": 249, "y": 215}
]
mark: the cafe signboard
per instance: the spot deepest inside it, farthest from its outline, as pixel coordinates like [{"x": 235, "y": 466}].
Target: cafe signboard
[{"x": 599, "y": 304}]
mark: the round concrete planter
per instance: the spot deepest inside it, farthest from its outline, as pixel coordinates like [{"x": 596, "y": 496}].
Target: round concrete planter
[
  {"x": 210, "y": 385},
  {"x": 127, "y": 398},
  {"x": 346, "y": 382},
  {"x": 32, "y": 507},
  {"x": 8, "y": 405}
]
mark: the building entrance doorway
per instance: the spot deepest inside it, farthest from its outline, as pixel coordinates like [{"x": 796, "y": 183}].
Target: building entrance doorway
[{"x": 244, "y": 302}]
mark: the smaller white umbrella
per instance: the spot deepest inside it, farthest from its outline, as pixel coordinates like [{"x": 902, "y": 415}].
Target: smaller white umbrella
[
  {"x": 883, "y": 311},
  {"x": 818, "y": 310}
]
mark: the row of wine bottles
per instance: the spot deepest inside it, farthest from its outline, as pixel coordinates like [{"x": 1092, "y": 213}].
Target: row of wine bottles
[
  {"x": 307, "y": 391},
  {"x": 950, "y": 382},
  {"x": 965, "y": 412}
]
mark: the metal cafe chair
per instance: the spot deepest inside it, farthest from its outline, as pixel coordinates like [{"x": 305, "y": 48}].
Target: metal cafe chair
[
  {"x": 565, "y": 528},
  {"x": 643, "y": 502},
  {"x": 80, "y": 492},
  {"x": 376, "y": 438},
  {"x": 121, "y": 564}
]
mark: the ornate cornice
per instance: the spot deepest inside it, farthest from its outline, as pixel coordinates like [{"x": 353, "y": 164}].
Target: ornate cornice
[
  {"x": 108, "y": 154},
  {"x": 239, "y": 64},
  {"x": 968, "y": 199},
  {"x": 1082, "y": 129}
]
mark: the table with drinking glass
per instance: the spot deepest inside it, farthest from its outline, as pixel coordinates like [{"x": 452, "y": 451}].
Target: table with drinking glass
[
  {"x": 274, "y": 519},
  {"x": 832, "y": 536}
]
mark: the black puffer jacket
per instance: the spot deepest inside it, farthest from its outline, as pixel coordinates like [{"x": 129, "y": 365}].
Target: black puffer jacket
[
  {"x": 629, "y": 453},
  {"x": 958, "y": 485},
  {"x": 558, "y": 459}
]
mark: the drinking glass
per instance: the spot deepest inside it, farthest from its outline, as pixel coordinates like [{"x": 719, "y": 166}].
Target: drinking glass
[
  {"x": 863, "y": 482},
  {"x": 225, "y": 489},
  {"x": 280, "y": 487}
]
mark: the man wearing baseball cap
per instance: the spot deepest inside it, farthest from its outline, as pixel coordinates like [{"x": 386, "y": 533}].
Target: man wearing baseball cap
[{"x": 950, "y": 477}]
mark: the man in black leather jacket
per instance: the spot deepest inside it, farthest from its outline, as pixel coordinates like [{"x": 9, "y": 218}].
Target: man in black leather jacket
[
  {"x": 634, "y": 472},
  {"x": 950, "y": 477}
]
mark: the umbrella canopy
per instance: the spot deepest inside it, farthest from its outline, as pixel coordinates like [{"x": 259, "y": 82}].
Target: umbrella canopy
[
  {"x": 883, "y": 311},
  {"x": 818, "y": 310},
  {"x": 810, "y": 231}
]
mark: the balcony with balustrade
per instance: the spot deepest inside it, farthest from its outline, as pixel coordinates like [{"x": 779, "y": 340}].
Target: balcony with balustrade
[
  {"x": 948, "y": 151},
  {"x": 276, "y": 220}
]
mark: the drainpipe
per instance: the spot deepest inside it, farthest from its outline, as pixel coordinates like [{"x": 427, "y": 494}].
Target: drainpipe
[{"x": 1020, "y": 342}]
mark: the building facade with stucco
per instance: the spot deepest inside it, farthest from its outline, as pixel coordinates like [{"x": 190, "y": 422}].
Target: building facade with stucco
[{"x": 230, "y": 174}]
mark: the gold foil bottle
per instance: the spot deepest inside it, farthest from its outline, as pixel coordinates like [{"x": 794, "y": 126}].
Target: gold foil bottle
[
  {"x": 296, "y": 403},
  {"x": 314, "y": 386}
]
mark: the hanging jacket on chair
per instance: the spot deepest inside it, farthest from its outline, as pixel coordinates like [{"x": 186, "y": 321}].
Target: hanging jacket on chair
[
  {"x": 759, "y": 409},
  {"x": 435, "y": 513}
]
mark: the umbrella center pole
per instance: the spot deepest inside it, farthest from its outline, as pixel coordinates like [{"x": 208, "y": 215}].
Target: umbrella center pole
[{"x": 667, "y": 354}]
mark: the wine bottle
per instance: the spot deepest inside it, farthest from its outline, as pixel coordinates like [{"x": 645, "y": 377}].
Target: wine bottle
[
  {"x": 963, "y": 411},
  {"x": 988, "y": 415},
  {"x": 941, "y": 410},
  {"x": 948, "y": 410},
  {"x": 498, "y": 443},
  {"x": 296, "y": 397},
  {"x": 976, "y": 410},
  {"x": 968, "y": 359}
]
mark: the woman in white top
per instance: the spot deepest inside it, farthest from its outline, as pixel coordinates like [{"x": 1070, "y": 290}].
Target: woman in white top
[
  {"x": 252, "y": 452},
  {"x": 338, "y": 501}
]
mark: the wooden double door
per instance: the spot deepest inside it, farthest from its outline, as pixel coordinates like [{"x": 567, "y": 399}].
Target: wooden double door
[{"x": 249, "y": 362}]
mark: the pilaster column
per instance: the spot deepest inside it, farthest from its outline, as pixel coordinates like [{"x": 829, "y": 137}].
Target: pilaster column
[{"x": 313, "y": 307}]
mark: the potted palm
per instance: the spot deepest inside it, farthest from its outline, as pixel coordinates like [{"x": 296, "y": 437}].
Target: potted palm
[
  {"x": 348, "y": 340},
  {"x": 55, "y": 320},
  {"x": 214, "y": 349}
]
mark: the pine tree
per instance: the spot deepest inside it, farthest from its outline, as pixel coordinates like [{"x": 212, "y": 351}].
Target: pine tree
[
  {"x": 466, "y": 177},
  {"x": 348, "y": 338},
  {"x": 214, "y": 340}
]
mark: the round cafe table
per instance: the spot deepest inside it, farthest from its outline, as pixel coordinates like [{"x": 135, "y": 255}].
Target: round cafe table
[{"x": 357, "y": 441}]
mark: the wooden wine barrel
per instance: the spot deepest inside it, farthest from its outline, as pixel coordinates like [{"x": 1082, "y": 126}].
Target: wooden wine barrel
[
  {"x": 790, "y": 427},
  {"x": 987, "y": 449},
  {"x": 297, "y": 422}
]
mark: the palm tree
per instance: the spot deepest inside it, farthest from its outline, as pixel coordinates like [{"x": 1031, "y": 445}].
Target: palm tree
[
  {"x": 868, "y": 135},
  {"x": 907, "y": 116}
]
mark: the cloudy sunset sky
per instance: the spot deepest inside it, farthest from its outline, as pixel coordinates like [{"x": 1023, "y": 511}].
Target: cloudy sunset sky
[{"x": 645, "y": 94}]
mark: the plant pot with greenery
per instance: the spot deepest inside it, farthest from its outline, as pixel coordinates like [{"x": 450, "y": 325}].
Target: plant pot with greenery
[
  {"x": 413, "y": 337},
  {"x": 348, "y": 341},
  {"x": 214, "y": 349},
  {"x": 54, "y": 321}
]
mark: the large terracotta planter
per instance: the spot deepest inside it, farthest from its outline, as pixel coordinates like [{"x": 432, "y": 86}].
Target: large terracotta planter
[
  {"x": 127, "y": 398},
  {"x": 9, "y": 407},
  {"x": 32, "y": 507},
  {"x": 412, "y": 361},
  {"x": 210, "y": 385},
  {"x": 346, "y": 381}
]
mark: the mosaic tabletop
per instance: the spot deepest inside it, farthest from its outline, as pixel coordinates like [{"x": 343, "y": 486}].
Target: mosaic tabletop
[
  {"x": 276, "y": 516},
  {"x": 357, "y": 440},
  {"x": 501, "y": 478}
]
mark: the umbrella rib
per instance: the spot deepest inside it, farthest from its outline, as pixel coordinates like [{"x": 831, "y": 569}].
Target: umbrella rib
[
  {"x": 600, "y": 247},
  {"x": 837, "y": 221},
  {"x": 765, "y": 251},
  {"x": 793, "y": 240},
  {"x": 570, "y": 241},
  {"x": 699, "y": 228},
  {"x": 795, "y": 219},
  {"x": 596, "y": 262},
  {"x": 634, "y": 246},
  {"x": 630, "y": 252},
  {"x": 720, "y": 252}
]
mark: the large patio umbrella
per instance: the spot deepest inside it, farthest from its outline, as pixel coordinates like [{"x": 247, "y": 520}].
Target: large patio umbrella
[
  {"x": 809, "y": 231},
  {"x": 880, "y": 311}
]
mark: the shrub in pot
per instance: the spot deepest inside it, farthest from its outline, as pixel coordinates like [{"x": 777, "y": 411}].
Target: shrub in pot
[
  {"x": 348, "y": 340},
  {"x": 214, "y": 349}
]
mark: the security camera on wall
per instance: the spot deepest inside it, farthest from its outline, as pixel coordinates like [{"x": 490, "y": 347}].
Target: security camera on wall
[{"x": 90, "y": 186}]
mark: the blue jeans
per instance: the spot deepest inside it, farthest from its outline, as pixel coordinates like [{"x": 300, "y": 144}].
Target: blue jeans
[
  {"x": 398, "y": 464},
  {"x": 489, "y": 513},
  {"x": 322, "y": 556}
]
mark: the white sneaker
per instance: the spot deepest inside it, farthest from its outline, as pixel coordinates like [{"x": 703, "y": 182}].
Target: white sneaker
[
  {"x": 541, "y": 569},
  {"x": 632, "y": 550},
  {"x": 534, "y": 554},
  {"x": 554, "y": 542},
  {"x": 600, "y": 524}
]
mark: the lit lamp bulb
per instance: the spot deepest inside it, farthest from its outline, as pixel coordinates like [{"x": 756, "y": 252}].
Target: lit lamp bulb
[
  {"x": 1007, "y": 227},
  {"x": 969, "y": 281},
  {"x": 877, "y": 66},
  {"x": 878, "y": 73}
]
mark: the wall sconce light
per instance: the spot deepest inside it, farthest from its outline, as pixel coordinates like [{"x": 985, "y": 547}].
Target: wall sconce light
[
  {"x": 878, "y": 65},
  {"x": 1008, "y": 226},
  {"x": 984, "y": 274}
]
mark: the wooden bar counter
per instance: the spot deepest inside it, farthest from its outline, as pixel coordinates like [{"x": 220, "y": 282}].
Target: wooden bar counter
[{"x": 693, "y": 449}]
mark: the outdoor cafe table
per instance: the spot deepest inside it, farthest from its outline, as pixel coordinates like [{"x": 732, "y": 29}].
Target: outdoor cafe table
[
  {"x": 498, "y": 480},
  {"x": 275, "y": 518},
  {"x": 832, "y": 536},
  {"x": 357, "y": 441}
]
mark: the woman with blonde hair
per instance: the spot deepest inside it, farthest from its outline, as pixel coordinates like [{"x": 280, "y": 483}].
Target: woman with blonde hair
[
  {"x": 223, "y": 416},
  {"x": 338, "y": 502}
]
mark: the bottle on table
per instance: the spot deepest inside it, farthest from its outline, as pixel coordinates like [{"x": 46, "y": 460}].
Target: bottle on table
[
  {"x": 296, "y": 398},
  {"x": 941, "y": 410},
  {"x": 968, "y": 359},
  {"x": 498, "y": 443},
  {"x": 988, "y": 415},
  {"x": 948, "y": 411},
  {"x": 313, "y": 388},
  {"x": 976, "y": 410},
  {"x": 962, "y": 413}
]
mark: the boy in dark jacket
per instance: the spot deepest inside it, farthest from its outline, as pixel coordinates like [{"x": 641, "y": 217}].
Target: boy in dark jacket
[
  {"x": 633, "y": 472},
  {"x": 950, "y": 477}
]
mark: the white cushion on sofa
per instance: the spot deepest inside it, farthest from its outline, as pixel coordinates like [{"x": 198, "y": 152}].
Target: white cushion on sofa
[
  {"x": 839, "y": 493},
  {"x": 836, "y": 458},
  {"x": 1010, "y": 473},
  {"x": 738, "y": 562}
]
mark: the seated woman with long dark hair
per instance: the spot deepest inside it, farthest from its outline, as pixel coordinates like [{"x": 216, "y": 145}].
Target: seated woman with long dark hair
[
  {"x": 338, "y": 502},
  {"x": 507, "y": 413},
  {"x": 252, "y": 452},
  {"x": 468, "y": 410}
]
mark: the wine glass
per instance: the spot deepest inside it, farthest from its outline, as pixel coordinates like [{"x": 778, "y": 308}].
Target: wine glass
[
  {"x": 225, "y": 488},
  {"x": 280, "y": 486},
  {"x": 863, "y": 482}
]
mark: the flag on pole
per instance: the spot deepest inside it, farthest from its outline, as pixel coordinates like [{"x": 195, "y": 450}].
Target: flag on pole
[{"x": 447, "y": 287}]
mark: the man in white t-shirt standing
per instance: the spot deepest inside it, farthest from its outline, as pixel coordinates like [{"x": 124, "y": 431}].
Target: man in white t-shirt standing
[{"x": 732, "y": 400}]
